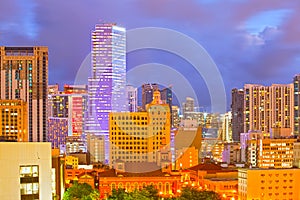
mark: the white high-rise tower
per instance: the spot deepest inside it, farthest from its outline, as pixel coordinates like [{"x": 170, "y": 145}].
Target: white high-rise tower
[{"x": 107, "y": 84}]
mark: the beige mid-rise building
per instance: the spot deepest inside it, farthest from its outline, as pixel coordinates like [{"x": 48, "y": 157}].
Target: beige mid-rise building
[
  {"x": 141, "y": 136},
  {"x": 259, "y": 150},
  {"x": 267, "y": 107}
]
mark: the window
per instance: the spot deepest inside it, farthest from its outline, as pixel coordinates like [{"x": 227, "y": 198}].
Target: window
[
  {"x": 29, "y": 182},
  {"x": 160, "y": 187},
  {"x": 167, "y": 188},
  {"x": 136, "y": 185},
  {"x": 120, "y": 185},
  {"x": 144, "y": 184},
  {"x": 128, "y": 186}
]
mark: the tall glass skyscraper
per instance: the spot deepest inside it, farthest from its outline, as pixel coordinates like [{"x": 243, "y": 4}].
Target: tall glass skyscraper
[{"x": 107, "y": 84}]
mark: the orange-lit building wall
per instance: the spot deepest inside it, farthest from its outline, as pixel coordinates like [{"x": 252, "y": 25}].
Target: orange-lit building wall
[
  {"x": 13, "y": 117},
  {"x": 266, "y": 184}
]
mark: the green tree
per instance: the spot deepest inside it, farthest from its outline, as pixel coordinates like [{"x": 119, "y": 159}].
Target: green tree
[
  {"x": 147, "y": 193},
  {"x": 189, "y": 193},
  {"x": 150, "y": 192},
  {"x": 119, "y": 194},
  {"x": 80, "y": 191}
]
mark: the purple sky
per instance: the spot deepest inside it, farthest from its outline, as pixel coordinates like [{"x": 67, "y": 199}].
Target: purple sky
[{"x": 250, "y": 41}]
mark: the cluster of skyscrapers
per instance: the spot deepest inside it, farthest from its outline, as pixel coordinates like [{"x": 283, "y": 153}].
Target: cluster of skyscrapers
[
  {"x": 266, "y": 108},
  {"x": 102, "y": 123},
  {"x": 77, "y": 116}
]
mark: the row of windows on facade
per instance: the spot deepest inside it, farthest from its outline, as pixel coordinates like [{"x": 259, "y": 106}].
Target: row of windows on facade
[
  {"x": 277, "y": 175},
  {"x": 128, "y": 118},
  {"x": 158, "y": 127},
  {"x": 10, "y": 121},
  {"x": 120, "y": 152},
  {"x": 130, "y": 123},
  {"x": 134, "y": 138},
  {"x": 270, "y": 194},
  {"x": 136, "y": 148},
  {"x": 128, "y": 186},
  {"x": 130, "y": 157},
  {"x": 277, "y": 181},
  {"x": 280, "y": 144},
  {"x": 129, "y": 140},
  {"x": 131, "y": 134},
  {"x": 29, "y": 178}
]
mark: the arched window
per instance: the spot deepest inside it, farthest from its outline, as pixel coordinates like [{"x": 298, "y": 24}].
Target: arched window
[
  {"x": 144, "y": 184},
  {"x": 167, "y": 188},
  {"x": 160, "y": 187},
  {"x": 152, "y": 184},
  {"x": 120, "y": 185},
  {"x": 128, "y": 188},
  {"x": 136, "y": 185},
  {"x": 113, "y": 186}
]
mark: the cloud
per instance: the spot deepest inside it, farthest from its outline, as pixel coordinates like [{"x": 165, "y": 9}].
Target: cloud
[
  {"x": 18, "y": 18},
  {"x": 222, "y": 27}
]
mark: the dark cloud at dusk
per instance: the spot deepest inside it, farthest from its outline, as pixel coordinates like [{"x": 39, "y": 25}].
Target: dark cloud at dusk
[{"x": 250, "y": 41}]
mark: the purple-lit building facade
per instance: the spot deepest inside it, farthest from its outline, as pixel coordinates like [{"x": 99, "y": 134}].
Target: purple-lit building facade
[
  {"x": 107, "y": 84},
  {"x": 57, "y": 131}
]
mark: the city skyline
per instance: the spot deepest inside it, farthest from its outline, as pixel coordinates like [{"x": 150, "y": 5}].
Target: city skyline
[
  {"x": 255, "y": 43},
  {"x": 195, "y": 99}
]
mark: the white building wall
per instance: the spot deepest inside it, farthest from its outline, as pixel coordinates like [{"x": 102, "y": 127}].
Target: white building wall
[{"x": 15, "y": 154}]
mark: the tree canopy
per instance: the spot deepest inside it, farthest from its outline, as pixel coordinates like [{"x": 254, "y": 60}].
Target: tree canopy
[
  {"x": 80, "y": 191},
  {"x": 189, "y": 193},
  {"x": 147, "y": 193},
  {"x": 151, "y": 193}
]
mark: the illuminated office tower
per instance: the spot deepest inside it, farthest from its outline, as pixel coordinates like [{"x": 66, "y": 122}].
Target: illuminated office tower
[
  {"x": 57, "y": 131},
  {"x": 13, "y": 117},
  {"x": 141, "y": 136},
  {"x": 70, "y": 104},
  {"x": 276, "y": 153},
  {"x": 249, "y": 146},
  {"x": 77, "y": 106},
  {"x": 167, "y": 96},
  {"x": 259, "y": 150},
  {"x": 227, "y": 127},
  {"x": 131, "y": 93},
  {"x": 297, "y": 104},
  {"x": 96, "y": 148},
  {"x": 147, "y": 93},
  {"x": 58, "y": 105},
  {"x": 188, "y": 107},
  {"x": 107, "y": 84},
  {"x": 237, "y": 109},
  {"x": 231, "y": 153},
  {"x": 175, "y": 121},
  {"x": 67, "y": 111},
  {"x": 24, "y": 75},
  {"x": 267, "y": 107}
]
